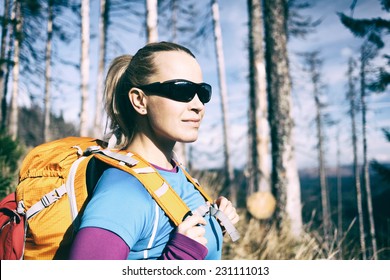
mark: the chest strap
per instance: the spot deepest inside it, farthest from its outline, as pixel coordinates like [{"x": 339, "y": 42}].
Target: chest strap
[{"x": 212, "y": 210}]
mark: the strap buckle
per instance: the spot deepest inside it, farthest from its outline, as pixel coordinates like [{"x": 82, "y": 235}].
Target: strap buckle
[
  {"x": 206, "y": 208},
  {"x": 52, "y": 197}
]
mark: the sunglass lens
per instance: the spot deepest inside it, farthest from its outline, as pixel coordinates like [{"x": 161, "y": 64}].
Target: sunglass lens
[
  {"x": 185, "y": 91},
  {"x": 204, "y": 93}
]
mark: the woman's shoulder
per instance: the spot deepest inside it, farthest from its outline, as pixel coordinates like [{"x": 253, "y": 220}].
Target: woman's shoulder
[
  {"x": 117, "y": 182},
  {"x": 120, "y": 204}
]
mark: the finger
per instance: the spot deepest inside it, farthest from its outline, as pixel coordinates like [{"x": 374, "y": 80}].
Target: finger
[
  {"x": 234, "y": 218},
  {"x": 194, "y": 220},
  {"x": 229, "y": 210},
  {"x": 222, "y": 203},
  {"x": 189, "y": 222},
  {"x": 196, "y": 232}
]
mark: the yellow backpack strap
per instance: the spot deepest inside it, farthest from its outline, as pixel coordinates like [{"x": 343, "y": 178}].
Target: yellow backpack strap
[{"x": 155, "y": 184}]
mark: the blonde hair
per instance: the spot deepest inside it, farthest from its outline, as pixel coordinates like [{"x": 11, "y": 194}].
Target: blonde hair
[{"x": 125, "y": 72}]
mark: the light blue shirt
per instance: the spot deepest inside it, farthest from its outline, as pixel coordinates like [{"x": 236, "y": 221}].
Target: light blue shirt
[{"x": 123, "y": 206}]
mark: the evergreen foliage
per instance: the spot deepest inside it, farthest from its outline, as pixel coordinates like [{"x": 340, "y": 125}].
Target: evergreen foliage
[
  {"x": 10, "y": 154},
  {"x": 372, "y": 30}
]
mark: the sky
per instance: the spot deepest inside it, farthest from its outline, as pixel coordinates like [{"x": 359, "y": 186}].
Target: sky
[{"x": 335, "y": 44}]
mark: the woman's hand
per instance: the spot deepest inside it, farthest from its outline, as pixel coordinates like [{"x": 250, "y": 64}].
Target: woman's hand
[
  {"x": 192, "y": 228},
  {"x": 225, "y": 206}
]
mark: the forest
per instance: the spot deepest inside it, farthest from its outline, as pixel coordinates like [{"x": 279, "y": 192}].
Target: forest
[{"x": 310, "y": 179}]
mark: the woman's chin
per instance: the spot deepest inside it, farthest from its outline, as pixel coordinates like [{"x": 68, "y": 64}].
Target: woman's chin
[{"x": 187, "y": 140}]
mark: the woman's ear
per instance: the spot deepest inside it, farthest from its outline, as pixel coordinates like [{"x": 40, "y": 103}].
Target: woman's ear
[{"x": 138, "y": 100}]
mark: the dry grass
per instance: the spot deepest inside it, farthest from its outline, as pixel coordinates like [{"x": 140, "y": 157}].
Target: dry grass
[{"x": 260, "y": 240}]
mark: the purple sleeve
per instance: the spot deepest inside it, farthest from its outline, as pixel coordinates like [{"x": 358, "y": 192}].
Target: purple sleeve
[
  {"x": 98, "y": 244},
  {"x": 181, "y": 247}
]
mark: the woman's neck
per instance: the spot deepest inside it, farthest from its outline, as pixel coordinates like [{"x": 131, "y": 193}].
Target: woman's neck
[{"x": 159, "y": 154}]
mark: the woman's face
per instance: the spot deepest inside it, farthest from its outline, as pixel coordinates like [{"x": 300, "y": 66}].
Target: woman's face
[{"x": 169, "y": 119}]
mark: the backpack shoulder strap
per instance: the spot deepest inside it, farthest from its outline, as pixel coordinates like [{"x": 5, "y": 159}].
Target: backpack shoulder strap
[{"x": 155, "y": 184}]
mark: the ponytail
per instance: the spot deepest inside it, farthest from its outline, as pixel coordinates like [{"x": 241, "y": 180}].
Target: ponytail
[{"x": 116, "y": 99}]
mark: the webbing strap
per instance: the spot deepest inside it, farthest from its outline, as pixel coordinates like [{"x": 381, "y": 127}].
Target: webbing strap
[
  {"x": 230, "y": 228},
  {"x": 47, "y": 200},
  {"x": 162, "y": 190},
  {"x": 123, "y": 158},
  {"x": 144, "y": 170},
  {"x": 69, "y": 184},
  {"x": 205, "y": 209}
]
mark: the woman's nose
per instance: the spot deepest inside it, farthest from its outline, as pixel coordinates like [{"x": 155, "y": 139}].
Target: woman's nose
[{"x": 196, "y": 104}]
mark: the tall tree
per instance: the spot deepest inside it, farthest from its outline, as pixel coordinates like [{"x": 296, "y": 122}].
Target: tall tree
[
  {"x": 229, "y": 175},
  {"x": 5, "y": 59},
  {"x": 48, "y": 54},
  {"x": 13, "y": 122},
  {"x": 367, "y": 52},
  {"x": 351, "y": 97},
  {"x": 314, "y": 64},
  {"x": 339, "y": 198},
  {"x": 5, "y": 21},
  {"x": 103, "y": 26},
  {"x": 285, "y": 180},
  {"x": 84, "y": 66},
  {"x": 54, "y": 29},
  {"x": 151, "y": 21},
  {"x": 258, "y": 128}
]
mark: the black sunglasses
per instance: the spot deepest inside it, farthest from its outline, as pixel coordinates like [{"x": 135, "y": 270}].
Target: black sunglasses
[{"x": 179, "y": 90}]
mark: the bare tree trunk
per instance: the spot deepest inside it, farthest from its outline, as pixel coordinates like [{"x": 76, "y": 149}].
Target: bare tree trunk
[
  {"x": 229, "y": 175},
  {"x": 366, "y": 173},
  {"x": 151, "y": 21},
  {"x": 13, "y": 125},
  {"x": 339, "y": 200},
  {"x": 4, "y": 107},
  {"x": 103, "y": 21},
  {"x": 258, "y": 128},
  {"x": 3, "y": 61},
  {"x": 351, "y": 96},
  {"x": 174, "y": 7},
  {"x": 314, "y": 63},
  {"x": 47, "y": 99},
  {"x": 285, "y": 180},
  {"x": 84, "y": 67}
]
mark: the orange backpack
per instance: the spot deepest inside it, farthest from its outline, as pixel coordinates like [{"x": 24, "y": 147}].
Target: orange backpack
[{"x": 55, "y": 182}]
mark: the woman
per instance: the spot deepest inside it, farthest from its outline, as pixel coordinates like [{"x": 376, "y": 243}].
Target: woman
[{"x": 153, "y": 100}]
